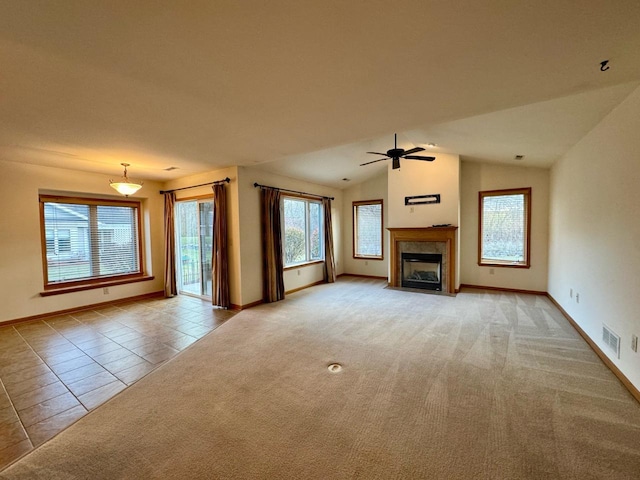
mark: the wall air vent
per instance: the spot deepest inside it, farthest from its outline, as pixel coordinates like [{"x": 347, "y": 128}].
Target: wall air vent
[{"x": 611, "y": 340}]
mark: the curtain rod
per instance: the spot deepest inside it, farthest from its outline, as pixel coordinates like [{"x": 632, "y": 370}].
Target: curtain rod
[
  {"x": 256, "y": 185},
  {"x": 224, "y": 180}
]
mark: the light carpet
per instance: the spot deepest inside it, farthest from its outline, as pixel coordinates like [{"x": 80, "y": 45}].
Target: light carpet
[{"x": 484, "y": 385}]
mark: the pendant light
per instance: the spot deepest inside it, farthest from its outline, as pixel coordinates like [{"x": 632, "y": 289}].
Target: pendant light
[{"x": 124, "y": 186}]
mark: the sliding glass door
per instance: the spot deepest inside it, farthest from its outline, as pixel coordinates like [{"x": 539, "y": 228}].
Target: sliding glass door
[{"x": 194, "y": 241}]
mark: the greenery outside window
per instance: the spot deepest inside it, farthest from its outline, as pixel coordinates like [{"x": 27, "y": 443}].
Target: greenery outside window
[
  {"x": 505, "y": 228},
  {"x": 302, "y": 231},
  {"x": 367, "y": 229},
  {"x": 87, "y": 241}
]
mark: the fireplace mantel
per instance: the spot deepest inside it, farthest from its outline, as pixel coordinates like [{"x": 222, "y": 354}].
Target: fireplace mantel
[{"x": 424, "y": 234}]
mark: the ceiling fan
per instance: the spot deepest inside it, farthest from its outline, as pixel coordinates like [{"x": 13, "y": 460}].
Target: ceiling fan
[{"x": 397, "y": 153}]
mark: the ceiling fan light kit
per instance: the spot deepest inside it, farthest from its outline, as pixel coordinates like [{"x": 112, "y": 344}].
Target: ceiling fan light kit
[
  {"x": 125, "y": 186},
  {"x": 395, "y": 154}
]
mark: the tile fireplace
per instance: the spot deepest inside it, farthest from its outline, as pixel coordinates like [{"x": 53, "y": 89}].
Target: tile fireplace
[{"x": 423, "y": 258}]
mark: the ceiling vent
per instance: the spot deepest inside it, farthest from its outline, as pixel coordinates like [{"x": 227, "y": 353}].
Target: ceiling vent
[{"x": 611, "y": 340}]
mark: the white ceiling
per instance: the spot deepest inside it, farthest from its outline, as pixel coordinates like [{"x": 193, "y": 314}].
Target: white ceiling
[{"x": 305, "y": 88}]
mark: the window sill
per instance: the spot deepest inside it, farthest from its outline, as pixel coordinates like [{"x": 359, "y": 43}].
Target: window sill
[
  {"x": 504, "y": 265},
  {"x": 365, "y": 257},
  {"x": 92, "y": 286},
  {"x": 304, "y": 264}
]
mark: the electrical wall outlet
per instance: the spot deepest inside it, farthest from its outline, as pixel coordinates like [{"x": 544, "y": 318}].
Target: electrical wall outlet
[
  {"x": 492, "y": 271},
  {"x": 298, "y": 272},
  {"x": 634, "y": 343},
  {"x": 577, "y": 297},
  {"x": 105, "y": 290}
]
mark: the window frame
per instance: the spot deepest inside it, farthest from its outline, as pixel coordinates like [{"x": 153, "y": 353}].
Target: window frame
[
  {"x": 308, "y": 260},
  {"x": 51, "y": 288},
  {"x": 354, "y": 209},
  {"x": 526, "y": 263}
]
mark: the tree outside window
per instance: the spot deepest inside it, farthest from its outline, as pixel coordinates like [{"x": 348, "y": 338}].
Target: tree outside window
[
  {"x": 367, "y": 229},
  {"x": 504, "y": 228},
  {"x": 303, "y": 231}
]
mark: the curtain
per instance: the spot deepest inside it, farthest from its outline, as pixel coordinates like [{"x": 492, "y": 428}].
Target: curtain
[
  {"x": 329, "y": 261},
  {"x": 170, "y": 288},
  {"x": 220, "y": 260},
  {"x": 272, "y": 257}
]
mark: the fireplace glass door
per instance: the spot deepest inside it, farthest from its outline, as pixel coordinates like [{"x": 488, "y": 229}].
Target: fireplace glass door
[{"x": 422, "y": 270}]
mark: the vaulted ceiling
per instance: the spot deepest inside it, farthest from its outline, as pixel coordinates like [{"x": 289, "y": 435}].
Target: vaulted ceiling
[{"x": 304, "y": 89}]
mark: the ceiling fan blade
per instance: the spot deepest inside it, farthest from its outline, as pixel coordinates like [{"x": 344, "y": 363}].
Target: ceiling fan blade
[
  {"x": 413, "y": 150},
  {"x": 373, "y": 161},
  {"x": 418, "y": 157},
  {"x": 378, "y": 153}
]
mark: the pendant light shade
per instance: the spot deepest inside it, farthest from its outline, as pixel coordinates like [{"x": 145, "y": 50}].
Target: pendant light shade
[{"x": 125, "y": 186}]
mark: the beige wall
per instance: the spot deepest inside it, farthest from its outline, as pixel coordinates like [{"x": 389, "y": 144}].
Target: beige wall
[
  {"x": 373, "y": 189},
  {"x": 424, "y": 178},
  {"x": 477, "y": 177},
  {"x": 21, "y": 274},
  {"x": 250, "y": 234},
  {"x": 595, "y": 232},
  {"x": 442, "y": 176}
]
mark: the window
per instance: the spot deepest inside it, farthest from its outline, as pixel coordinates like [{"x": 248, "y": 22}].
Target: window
[
  {"x": 505, "y": 225},
  {"x": 367, "y": 229},
  {"x": 303, "y": 231},
  {"x": 88, "y": 240}
]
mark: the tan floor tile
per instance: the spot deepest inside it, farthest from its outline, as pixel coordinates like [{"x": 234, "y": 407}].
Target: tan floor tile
[
  {"x": 112, "y": 356},
  {"x": 97, "y": 397},
  {"x": 138, "y": 342},
  {"x": 11, "y": 433},
  {"x": 62, "y": 357},
  {"x": 96, "y": 342},
  {"x": 83, "y": 335},
  {"x": 85, "y": 315},
  {"x": 44, "y": 410},
  {"x": 79, "y": 373},
  {"x": 25, "y": 374},
  {"x": 128, "y": 337},
  {"x": 72, "y": 364},
  {"x": 124, "y": 363},
  {"x": 4, "y": 399},
  {"x": 18, "y": 364},
  {"x": 109, "y": 326},
  {"x": 102, "y": 349},
  {"x": 8, "y": 416},
  {"x": 148, "y": 348},
  {"x": 52, "y": 345},
  {"x": 121, "y": 332},
  {"x": 182, "y": 342},
  {"x": 15, "y": 451},
  {"x": 135, "y": 373},
  {"x": 91, "y": 383},
  {"x": 161, "y": 355},
  {"x": 44, "y": 430},
  {"x": 40, "y": 395},
  {"x": 31, "y": 384}
]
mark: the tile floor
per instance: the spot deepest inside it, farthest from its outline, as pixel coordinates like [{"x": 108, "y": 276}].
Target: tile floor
[{"x": 56, "y": 369}]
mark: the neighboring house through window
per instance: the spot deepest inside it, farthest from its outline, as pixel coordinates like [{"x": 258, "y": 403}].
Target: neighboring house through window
[
  {"x": 88, "y": 240},
  {"x": 367, "y": 229},
  {"x": 505, "y": 228},
  {"x": 302, "y": 230}
]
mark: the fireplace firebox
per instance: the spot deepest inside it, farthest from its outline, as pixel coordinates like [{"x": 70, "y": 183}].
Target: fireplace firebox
[{"x": 422, "y": 270}]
